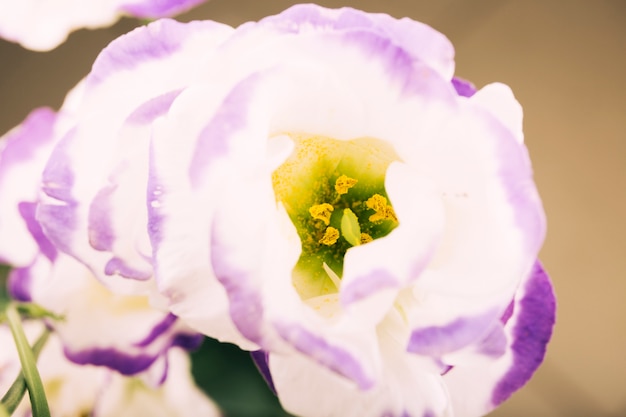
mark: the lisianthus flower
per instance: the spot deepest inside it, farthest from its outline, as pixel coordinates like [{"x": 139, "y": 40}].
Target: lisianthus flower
[
  {"x": 44, "y": 25},
  {"x": 322, "y": 190},
  {"x": 126, "y": 332},
  {"x": 77, "y": 390},
  {"x": 98, "y": 327}
]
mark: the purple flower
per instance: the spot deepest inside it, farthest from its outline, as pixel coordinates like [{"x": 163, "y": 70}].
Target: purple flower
[
  {"x": 42, "y": 25},
  {"x": 320, "y": 187}
]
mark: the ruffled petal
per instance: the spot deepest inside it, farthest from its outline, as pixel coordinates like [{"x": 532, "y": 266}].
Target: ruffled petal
[
  {"x": 73, "y": 390},
  {"x": 121, "y": 332},
  {"x": 178, "y": 396},
  {"x": 396, "y": 260},
  {"x": 405, "y": 388},
  {"x": 80, "y": 213},
  {"x": 499, "y": 100},
  {"x": 488, "y": 374},
  {"x": 434, "y": 48},
  {"x": 494, "y": 225},
  {"x": 463, "y": 88},
  {"x": 24, "y": 151}
]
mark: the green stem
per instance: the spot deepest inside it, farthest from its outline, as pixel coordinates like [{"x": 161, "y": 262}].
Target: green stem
[
  {"x": 3, "y": 411},
  {"x": 36, "y": 392},
  {"x": 16, "y": 392}
]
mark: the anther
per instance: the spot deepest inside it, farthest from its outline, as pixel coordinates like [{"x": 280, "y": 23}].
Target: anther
[
  {"x": 330, "y": 236},
  {"x": 321, "y": 212},
  {"x": 343, "y": 184},
  {"x": 365, "y": 238},
  {"x": 378, "y": 203}
]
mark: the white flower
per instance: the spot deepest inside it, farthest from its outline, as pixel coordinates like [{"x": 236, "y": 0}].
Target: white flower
[
  {"x": 124, "y": 330},
  {"x": 73, "y": 390},
  {"x": 319, "y": 187},
  {"x": 42, "y": 25}
]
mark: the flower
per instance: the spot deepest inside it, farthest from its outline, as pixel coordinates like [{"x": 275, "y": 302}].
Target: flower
[
  {"x": 118, "y": 327},
  {"x": 73, "y": 390},
  {"x": 44, "y": 25},
  {"x": 322, "y": 190}
]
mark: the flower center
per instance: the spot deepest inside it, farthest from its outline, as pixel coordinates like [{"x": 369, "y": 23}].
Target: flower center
[{"x": 334, "y": 193}]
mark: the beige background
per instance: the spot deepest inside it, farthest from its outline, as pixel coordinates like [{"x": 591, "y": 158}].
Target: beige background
[{"x": 566, "y": 62}]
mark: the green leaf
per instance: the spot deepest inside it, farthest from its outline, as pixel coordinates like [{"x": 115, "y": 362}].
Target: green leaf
[
  {"x": 16, "y": 392},
  {"x": 38, "y": 400},
  {"x": 35, "y": 311},
  {"x": 350, "y": 229}
]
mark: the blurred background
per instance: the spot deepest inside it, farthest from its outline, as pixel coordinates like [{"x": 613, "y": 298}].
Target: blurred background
[{"x": 566, "y": 63}]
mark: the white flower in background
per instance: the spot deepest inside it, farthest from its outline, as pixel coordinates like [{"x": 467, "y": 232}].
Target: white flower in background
[
  {"x": 126, "y": 332},
  {"x": 74, "y": 391},
  {"x": 319, "y": 188},
  {"x": 42, "y": 25}
]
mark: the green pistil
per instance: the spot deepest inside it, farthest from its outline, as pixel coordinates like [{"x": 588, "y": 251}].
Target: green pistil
[
  {"x": 350, "y": 228},
  {"x": 334, "y": 194}
]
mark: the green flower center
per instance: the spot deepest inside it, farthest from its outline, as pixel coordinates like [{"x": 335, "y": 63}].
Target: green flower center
[{"x": 334, "y": 193}]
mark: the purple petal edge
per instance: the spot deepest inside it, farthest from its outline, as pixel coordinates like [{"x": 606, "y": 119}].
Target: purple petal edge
[
  {"x": 167, "y": 322},
  {"x": 117, "y": 266},
  {"x": 366, "y": 285},
  {"x": 246, "y": 308},
  {"x": 332, "y": 357},
  {"x": 463, "y": 88},
  {"x": 533, "y": 329},
  {"x": 261, "y": 359},
  {"x": 23, "y": 142},
  {"x": 231, "y": 117},
  {"x": 27, "y": 211},
  {"x": 122, "y": 362},
  {"x": 188, "y": 341},
  {"x": 438, "y": 340},
  {"x": 152, "y": 9},
  {"x": 147, "y": 43},
  {"x": 18, "y": 284}
]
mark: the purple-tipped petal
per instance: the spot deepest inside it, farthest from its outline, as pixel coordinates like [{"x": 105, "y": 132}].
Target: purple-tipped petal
[
  {"x": 122, "y": 332},
  {"x": 154, "y": 9},
  {"x": 101, "y": 218},
  {"x": 434, "y": 48},
  {"x": 157, "y": 330},
  {"x": 482, "y": 380},
  {"x": 332, "y": 357},
  {"x": 463, "y": 88},
  {"x": 19, "y": 282},
  {"x": 261, "y": 361},
  {"x": 365, "y": 286},
  {"x": 28, "y": 210},
  {"x": 436, "y": 341},
  {"x": 23, "y": 153},
  {"x": 531, "y": 333},
  {"x": 122, "y": 362}
]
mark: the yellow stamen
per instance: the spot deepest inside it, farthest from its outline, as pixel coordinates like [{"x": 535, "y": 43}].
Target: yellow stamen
[
  {"x": 343, "y": 184},
  {"x": 321, "y": 212},
  {"x": 330, "y": 236},
  {"x": 365, "y": 238},
  {"x": 378, "y": 203},
  {"x": 390, "y": 214}
]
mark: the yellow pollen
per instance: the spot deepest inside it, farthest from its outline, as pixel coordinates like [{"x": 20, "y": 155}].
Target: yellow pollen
[
  {"x": 330, "y": 236},
  {"x": 365, "y": 238},
  {"x": 343, "y": 184},
  {"x": 322, "y": 212},
  {"x": 378, "y": 203}
]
